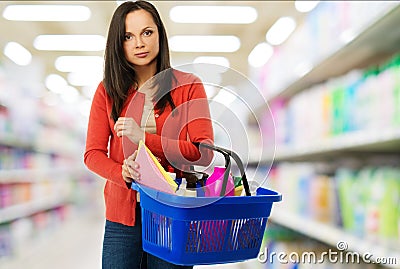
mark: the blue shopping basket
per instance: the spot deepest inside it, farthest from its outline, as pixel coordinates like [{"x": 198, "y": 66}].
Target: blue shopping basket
[{"x": 205, "y": 230}]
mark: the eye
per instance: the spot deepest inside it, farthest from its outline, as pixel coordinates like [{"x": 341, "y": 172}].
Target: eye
[
  {"x": 147, "y": 32},
  {"x": 128, "y": 36}
]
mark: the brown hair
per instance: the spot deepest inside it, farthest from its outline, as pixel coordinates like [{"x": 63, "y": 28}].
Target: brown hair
[{"x": 119, "y": 75}]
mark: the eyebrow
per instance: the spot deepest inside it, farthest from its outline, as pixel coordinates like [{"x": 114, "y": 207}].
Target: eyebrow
[{"x": 145, "y": 28}]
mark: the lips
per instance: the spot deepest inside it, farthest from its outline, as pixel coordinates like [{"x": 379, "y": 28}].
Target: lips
[{"x": 141, "y": 54}]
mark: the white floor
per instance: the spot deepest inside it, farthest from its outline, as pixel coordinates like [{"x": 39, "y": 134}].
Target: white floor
[{"x": 77, "y": 244}]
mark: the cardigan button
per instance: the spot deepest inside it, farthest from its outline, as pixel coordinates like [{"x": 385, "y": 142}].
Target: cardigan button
[{"x": 156, "y": 115}]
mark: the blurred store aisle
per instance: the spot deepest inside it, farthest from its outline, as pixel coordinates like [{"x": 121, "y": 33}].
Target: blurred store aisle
[{"x": 77, "y": 244}]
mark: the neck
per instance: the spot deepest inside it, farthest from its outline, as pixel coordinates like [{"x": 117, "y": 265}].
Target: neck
[{"x": 144, "y": 73}]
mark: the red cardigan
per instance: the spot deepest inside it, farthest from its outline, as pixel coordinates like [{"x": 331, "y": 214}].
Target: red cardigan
[{"x": 172, "y": 143}]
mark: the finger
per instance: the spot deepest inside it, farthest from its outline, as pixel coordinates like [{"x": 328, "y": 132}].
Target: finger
[
  {"x": 124, "y": 118},
  {"x": 134, "y": 174},
  {"x": 134, "y": 155},
  {"x": 132, "y": 164},
  {"x": 118, "y": 125},
  {"x": 128, "y": 179},
  {"x": 126, "y": 175}
]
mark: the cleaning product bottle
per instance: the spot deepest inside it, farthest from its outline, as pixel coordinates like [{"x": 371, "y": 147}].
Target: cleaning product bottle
[
  {"x": 215, "y": 181},
  {"x": 182, "y": 188},
  {"x": 190, "y": 192}
]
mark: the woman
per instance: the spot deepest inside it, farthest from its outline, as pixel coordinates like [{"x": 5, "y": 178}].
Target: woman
[{"x": 141, "y": 98}]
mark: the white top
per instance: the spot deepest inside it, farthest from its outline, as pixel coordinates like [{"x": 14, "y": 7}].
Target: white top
[{"x": 148, "y": 123}]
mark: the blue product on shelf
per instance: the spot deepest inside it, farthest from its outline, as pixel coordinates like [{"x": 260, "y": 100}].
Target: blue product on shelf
[
  {"x": 350, "y": 107},
  {"x": 6, "y": 247},
  {"x": 303, "y": 207}
]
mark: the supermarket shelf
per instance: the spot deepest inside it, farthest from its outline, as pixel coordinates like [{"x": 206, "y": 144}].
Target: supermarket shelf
[
  {"x": 38, "y": 148},
  {"x": 9, "y": 142},
  {"x": 14, "y": 212},
  {"x": 372, "y": 43},
  {"x": 361, "y": 141},
  {"x": 37, "y": 175},
  {"x": 332, "y": 236}
]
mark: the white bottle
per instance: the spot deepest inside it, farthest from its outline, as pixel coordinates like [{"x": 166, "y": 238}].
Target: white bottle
[
  {"x": 173, "y": 175},
  {"x": 191, "y": 193},
  {"x": 182, "y": 188}
]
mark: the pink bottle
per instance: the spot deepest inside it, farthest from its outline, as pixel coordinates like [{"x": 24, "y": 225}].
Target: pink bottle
[{"x": 214, "y": 183}]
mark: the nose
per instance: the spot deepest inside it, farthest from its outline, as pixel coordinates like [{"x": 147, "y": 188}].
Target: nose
[{"x": 139, "y": 43}]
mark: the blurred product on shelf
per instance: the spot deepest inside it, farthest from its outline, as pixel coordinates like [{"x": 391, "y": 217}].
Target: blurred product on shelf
[
  {"x": 336, "y": 113},
  {"x": 325, "y": 31},
  {"x": 42, "y": 178},
  {"x": 365, "y": 202},
  {"x": 358, "y": 101}
]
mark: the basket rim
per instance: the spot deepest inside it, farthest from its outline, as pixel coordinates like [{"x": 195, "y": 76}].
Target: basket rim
[{"x": 262, "y": 196}]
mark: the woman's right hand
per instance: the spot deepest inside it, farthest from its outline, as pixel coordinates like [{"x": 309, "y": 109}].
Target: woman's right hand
[{"x": 130, "y": 169}]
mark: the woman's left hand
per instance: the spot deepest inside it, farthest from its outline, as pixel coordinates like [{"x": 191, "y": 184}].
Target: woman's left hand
[{"x": 129, "y": 128}]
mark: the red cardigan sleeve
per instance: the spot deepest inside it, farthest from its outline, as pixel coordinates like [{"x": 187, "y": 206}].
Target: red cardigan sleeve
[
  {"x": 198, "y": 126},
  {"x": 97, "y": 140}
]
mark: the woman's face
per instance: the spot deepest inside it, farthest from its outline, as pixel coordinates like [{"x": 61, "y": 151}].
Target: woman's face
[{"x": 141, "y": 44}]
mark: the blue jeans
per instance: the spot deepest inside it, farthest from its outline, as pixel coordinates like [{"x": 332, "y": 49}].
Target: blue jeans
[{"x": 122, "y": 249}]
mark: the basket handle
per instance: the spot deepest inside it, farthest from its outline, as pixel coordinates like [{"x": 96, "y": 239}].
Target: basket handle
[{"x": 227, "y": 155}]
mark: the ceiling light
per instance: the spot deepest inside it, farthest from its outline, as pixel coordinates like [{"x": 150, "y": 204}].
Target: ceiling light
[
  {"x": 70, "y": 42},
  {"x": 77, "y": 63},
  {"x": 222, "y": 61},
  {"x": 55, "y": 83},
  {"x": 280, "y": 30},
  {"x": 46, "y": 13},
  {"x": 204, "y": 43},
  {"x": 87, "y": 78},
  {"x": 305, "y": 6},
  {"x": 213, "y": 14},
  {"x": 17, "y": 53},
  {"x": 218, "y": 64},
  {"x": 260, "y": 55}
]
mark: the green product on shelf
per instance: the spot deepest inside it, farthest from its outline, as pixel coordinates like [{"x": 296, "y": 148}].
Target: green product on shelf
[
  {"x": 382, "y": 205},
  {"x": 279, "y": 233},
  {"x": 338, "y": 110},
  {"x": 373, "y": 210},
  {"x": 362, "y": 188},
  {"x": 389, "y": 205},
  {"x": 345, "y": 182},
  {"x": 396, "y": 92}
]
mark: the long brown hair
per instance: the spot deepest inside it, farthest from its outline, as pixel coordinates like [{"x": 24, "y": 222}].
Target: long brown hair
[{"x": 120, "y": 75}]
